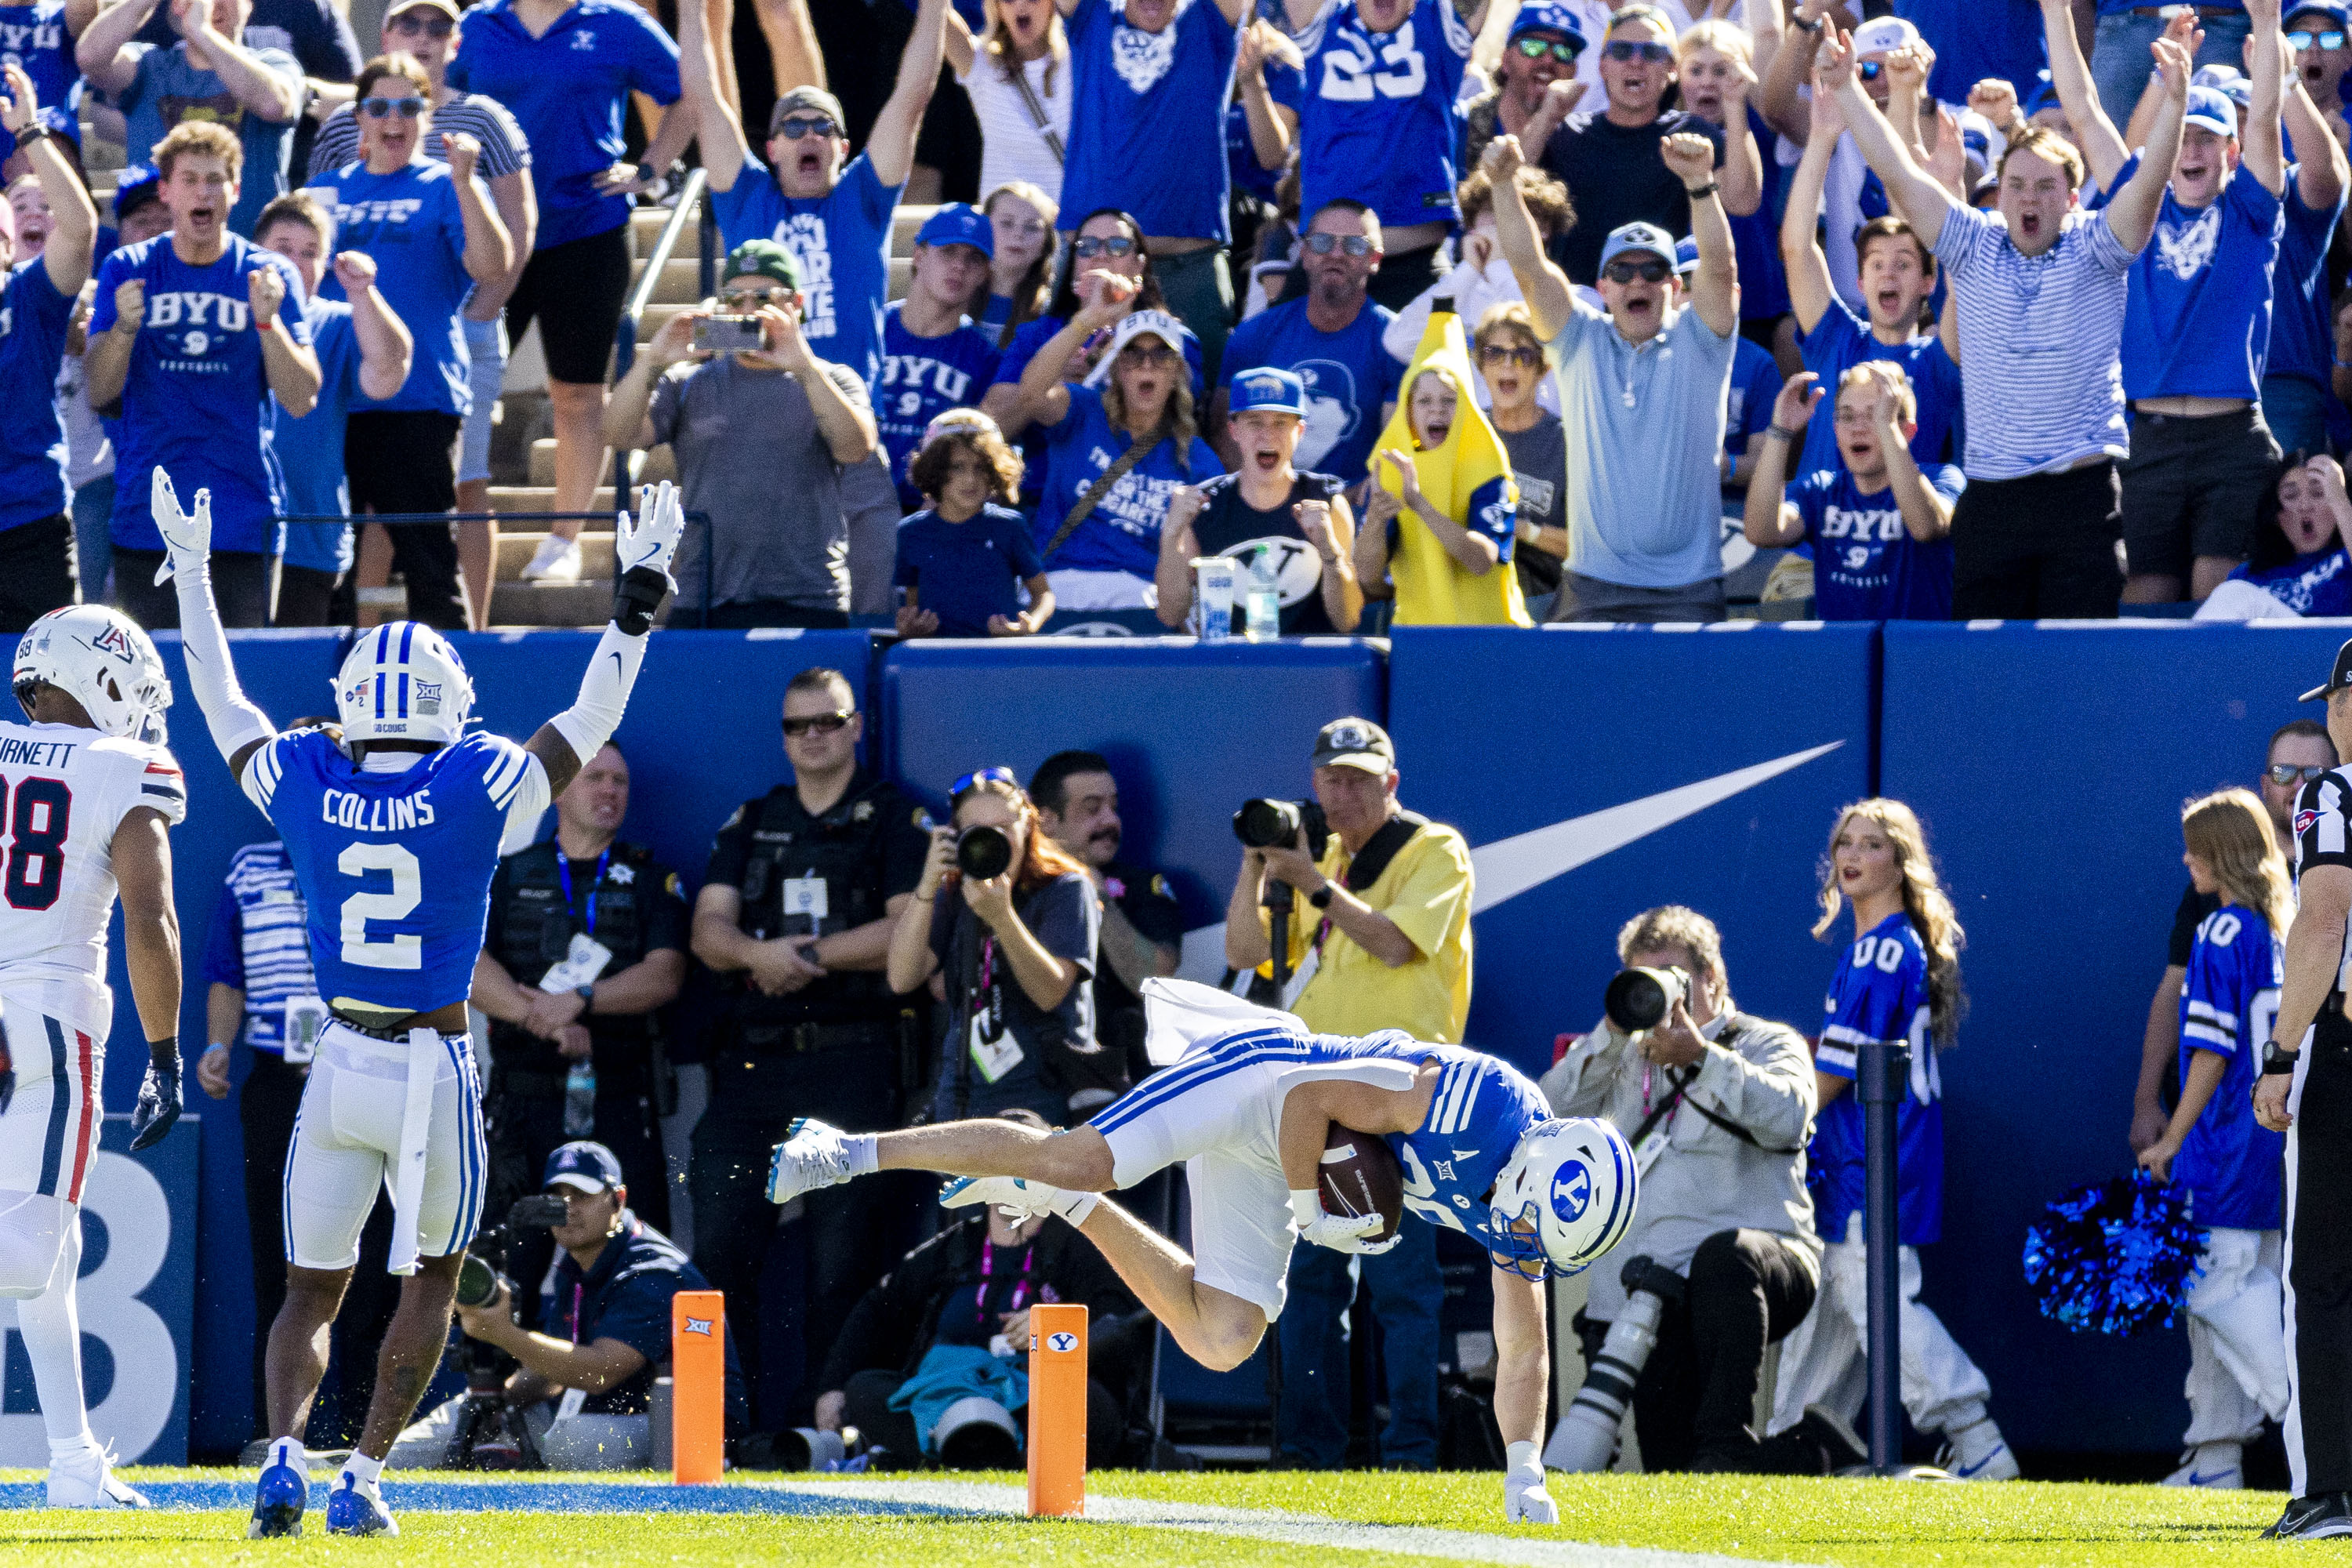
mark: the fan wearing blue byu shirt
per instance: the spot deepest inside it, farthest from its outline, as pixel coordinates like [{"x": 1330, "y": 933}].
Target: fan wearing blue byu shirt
[
  {"x": 36, "y": 554},
  {"x": 933, "y": 358},
  {"x": 1378, "y": 124},
  {"x": 1897, "y": 985},
  {"x": 1331, "y": 341},
  {"x": 363, "y": 351},
  {"x": 35, "y": 38},
  {"x": 2296, "y": 380},
  {"x": 194, "y": 334},
  {"x": 2232, "y": 1165},
  {"x": 830, "y": 210},
  {"x": 1880, "y": 524}
]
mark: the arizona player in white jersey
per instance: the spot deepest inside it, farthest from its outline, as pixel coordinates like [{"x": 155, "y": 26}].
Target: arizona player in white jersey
[
  {"x": 1247, "y": 1108},
  {"x": 87, "y": 796},
  {"x": 393, "y": 1098},
  {"x": 1899, "y": 983}
]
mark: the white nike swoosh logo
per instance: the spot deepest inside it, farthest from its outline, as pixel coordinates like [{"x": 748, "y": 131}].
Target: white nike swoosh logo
[{"x": 1509, "y": 867}]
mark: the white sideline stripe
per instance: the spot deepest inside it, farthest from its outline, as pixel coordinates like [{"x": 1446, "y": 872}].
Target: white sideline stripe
[{"x": 1292, "y": 1529}]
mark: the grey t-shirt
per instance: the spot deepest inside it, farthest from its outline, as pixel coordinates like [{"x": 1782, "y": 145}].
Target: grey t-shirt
[
  {"x": 169, "y": 90},
  {"x": 751, "y": 456},
  {"x": 1539, "y": 464}
]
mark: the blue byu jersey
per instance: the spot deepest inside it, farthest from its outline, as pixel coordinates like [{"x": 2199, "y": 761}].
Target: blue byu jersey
[
  {"x": 1377, "y": 123},
  {"x": 2230, "y": 1163},
  {"x": 1881, "y": 994},
  {"x": 385, "y": 938}
]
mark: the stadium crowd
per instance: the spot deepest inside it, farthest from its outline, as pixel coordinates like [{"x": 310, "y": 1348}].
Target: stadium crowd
[{"x": 1417, "y": 312}]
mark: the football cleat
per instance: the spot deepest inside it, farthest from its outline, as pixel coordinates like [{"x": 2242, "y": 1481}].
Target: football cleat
[
  {"x": 2211, "y": 1466},
  {"x": 812, "y": 1155},
  {"x": 278, "y": 1500},
  {"x": 90, "y": 1482},
  {"x": 350, "y": 1511}
]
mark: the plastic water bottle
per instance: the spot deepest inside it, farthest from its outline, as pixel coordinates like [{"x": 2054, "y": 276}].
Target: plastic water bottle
[
  {"x": 1214, "y": 585},
  {"x": 1263, "y": 610},
  {"x": 580, "y": 1099}
]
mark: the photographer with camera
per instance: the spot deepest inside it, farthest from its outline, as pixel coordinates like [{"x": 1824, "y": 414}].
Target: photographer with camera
[
  {"x": 1014, "y": 928},
  {"x": 1717, "y": 1105},
  {"x": 585, "y": 1385},
  {"x": 1382, "y": 942}
]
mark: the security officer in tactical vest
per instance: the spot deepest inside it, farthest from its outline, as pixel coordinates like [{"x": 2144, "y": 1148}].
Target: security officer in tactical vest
[
  {"x": 586, "y": 943},
  {"x": 795, "y": 915}
]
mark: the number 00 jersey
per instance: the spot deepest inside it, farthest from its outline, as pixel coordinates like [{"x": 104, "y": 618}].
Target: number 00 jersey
[
  {"x": 395, "y": 869},
  {"x": 63, "y": 792}
]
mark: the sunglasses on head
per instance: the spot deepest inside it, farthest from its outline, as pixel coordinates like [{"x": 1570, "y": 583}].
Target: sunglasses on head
[
  {"x": 1086, "y": 250},
  {"x": 1627, "y": 271},
  {"x": 979, "y": 776},
  {"x": 798, "y": 126},
  {"x": 1354, "y": 244},
  {"x": 1627, "y": 50},
  {"x": 385, "y": 108},
  {"x": 2287, "y": 772},
  {"x": 1558, "y": 49},
  {"x": 2303, "y": 38},
  {"x": 1523, "y": 357},
  {"x": 431, "y": 26},
  {"x": 822, "y": 723}
]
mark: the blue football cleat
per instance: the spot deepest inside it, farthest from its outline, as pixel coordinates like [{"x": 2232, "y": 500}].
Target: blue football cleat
[
  {"x": 350, "y": 1511},
  {"x": 278, "y": 1500}
]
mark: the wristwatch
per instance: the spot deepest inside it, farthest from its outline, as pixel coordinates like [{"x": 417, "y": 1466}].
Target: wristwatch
[
  {"x": 1815, "y": 26},
  {"x": 648, "y": 173},
  {"x": 2277, "y": 1058},
  {"x": 587, "y": 994},
  {"x": 1321, "y": 897},
  {"x": 1700, "y": 192},
  {"x": 36, "y": 132}
]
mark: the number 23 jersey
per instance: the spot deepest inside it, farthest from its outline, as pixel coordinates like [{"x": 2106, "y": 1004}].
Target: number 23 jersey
[
  {"x": 64, "y": 790},
  {"x": 396, "y": 868}
]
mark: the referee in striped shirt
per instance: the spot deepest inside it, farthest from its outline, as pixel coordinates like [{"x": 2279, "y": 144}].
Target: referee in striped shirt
[
  {"x": 2040, "y": 290},
  {"x": 2305, "y": 1091}
]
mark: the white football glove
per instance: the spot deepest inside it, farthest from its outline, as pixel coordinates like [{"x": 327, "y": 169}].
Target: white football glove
[
  {"x": 650, "y": 538},
  {"x": 187, "y": 540},
  {"x": 1337, "y": 1232},
  {"x": 1525, "y": 1501},
  {"x": 1017, "y": 1199}
]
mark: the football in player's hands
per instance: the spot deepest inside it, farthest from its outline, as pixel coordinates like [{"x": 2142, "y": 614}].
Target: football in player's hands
[{"x": 1360, "y": 1176}]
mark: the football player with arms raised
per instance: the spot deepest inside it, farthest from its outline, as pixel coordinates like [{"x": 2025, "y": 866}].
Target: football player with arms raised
[{"x": 393, "y": 1098}]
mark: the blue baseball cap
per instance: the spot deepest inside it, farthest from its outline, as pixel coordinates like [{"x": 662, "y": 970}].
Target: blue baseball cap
[
  {"x": 1266, "y": 387},
  {"x": 2044, "y": 96},
  {"x": 134, "y": 188},
  {"x": 1543, "y": 16},
  {"x": 589, "y": 1167},
  {"x": 1647, "y": 237},
  {"x": 960, "y": 223},
  {"x": 2238, "y": 90},
  {"x": 2341, "y": 15},
  {"x": 2210, "y": 110},
  {"x": 1685, "y": 257}
]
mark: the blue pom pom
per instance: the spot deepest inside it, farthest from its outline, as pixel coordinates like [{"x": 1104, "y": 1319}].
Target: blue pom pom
[{"x": 2116, "y": 1256}]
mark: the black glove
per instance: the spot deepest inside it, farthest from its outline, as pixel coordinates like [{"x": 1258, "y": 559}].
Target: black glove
[
  {"x": 638, "y": 594},
  {"x": 158, "y": 1096}
]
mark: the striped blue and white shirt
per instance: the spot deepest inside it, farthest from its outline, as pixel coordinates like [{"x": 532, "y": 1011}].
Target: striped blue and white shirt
[
  {"x": 257, "y": 944},
  {"x": 2042, "y": 339}
]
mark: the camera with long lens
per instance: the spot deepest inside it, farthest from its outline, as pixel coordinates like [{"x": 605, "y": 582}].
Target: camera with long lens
[
  {"x": 489, "y": 1435},
  {"x": 982, "y": 852},
  {"x": 1277, "y": 825},
  {"x": 1586, "y": 1438},
  {"x": 1640, "y": 999}
]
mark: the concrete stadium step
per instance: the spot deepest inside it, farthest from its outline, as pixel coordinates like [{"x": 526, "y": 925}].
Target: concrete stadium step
[
  {"x": 585, "y": 604},
  {"x": 658, "y": 464},
  {"x": 515, "y": 551},
  {"x": 542, "y": 498}
]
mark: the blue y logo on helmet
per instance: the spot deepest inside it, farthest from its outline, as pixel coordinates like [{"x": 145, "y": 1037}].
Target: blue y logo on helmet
[{"x": 1572, "y": 1190}]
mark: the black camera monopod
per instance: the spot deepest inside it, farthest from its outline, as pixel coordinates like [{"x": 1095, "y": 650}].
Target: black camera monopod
[{"x": 1881, "y": 1067}]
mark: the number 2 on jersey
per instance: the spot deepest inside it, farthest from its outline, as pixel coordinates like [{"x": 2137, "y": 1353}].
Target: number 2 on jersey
[
  {"x": 1352, "y": 77},
  {"x": 42, "y": 809},
  {"x": 404, "y": 952}
]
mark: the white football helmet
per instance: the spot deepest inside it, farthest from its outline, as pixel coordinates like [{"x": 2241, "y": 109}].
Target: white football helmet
[
  {"x": 1576, "y": 1182},
  {"x": 402, "y": 681},
  {"x": 103, "y": 660}
]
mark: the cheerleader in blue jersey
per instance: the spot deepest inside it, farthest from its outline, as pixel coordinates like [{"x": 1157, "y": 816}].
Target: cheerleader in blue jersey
[
  {"x": 2232, "y": 1166},
  {"x": 1898, "y": 983}
]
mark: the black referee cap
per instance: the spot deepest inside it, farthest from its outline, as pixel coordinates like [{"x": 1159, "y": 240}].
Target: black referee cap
[{"x": 2339, "y": 677}]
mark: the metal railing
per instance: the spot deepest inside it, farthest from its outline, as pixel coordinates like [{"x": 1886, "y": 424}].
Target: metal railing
[
  {"x": 701, "y": 520},
  {"x": 692, "y": 199}
]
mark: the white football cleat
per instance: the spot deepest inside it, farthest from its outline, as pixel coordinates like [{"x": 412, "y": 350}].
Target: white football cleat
[
  {"x": 813, "y": 1154},
  {"x": 89, "y": 1482},
  {"x": 2218, "y": 1467},
  {"x": 556, "y": 562}
]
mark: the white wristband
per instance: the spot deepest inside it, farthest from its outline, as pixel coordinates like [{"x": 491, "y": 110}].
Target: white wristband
[{"x": 1305, "y": 1207}]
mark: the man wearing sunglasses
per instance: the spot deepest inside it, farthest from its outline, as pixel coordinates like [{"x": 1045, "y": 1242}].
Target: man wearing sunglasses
[
  {"x": 255, "y": 92},
  {"x": 1544, "y": 45},
  {"x": 2299, "y": 751},
  {"x": 2320, "y": 34},
  {"x": 1610, "y": 160},
  {"x": 806, "y": 885}
]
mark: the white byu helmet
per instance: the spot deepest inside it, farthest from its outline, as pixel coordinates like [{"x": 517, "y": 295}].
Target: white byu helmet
[
  {"x": 402, "y": 681},
  {"x": 103, "y": 660},
  {"x": 1576, "y": 1182}
]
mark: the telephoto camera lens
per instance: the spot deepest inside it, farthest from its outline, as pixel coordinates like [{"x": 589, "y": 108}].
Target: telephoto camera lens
[
  {"x": 478, "y": 1283},
  {"x": 1267, "y": 823},
  {"x": 1640, "y": 999},
  {"x": 982, "y": 852}
]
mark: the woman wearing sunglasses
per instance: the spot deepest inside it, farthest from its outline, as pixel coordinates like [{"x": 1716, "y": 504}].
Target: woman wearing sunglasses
[
  {"x": 1509, "y": 357},
  {"x": 1016, "y": 954}
]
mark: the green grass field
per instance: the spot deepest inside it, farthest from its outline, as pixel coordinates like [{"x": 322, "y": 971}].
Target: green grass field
[{"x": 1859, "y": 1523}]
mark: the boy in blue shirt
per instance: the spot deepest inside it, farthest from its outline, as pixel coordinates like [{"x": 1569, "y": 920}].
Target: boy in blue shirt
[
  {"x": 959, "y": 562},
  {"x": 194, "y": 333},
  {"x": 434, "y": 224},
  {"x": 363, "y": 351},
  {"x": 1880, "y": 524},
  {"x": 933, "y": 358},
  {"x": 2296, "y": 401}
]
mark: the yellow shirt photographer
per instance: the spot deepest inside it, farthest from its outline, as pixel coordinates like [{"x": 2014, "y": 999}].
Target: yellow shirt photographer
[{"x": 1393, "y": 952}]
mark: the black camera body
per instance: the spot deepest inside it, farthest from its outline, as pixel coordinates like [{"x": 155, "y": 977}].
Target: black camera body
[
  {"x": 982, "y": 852},
  {"x": 1640, "y": 999},
  {"x": 1277, "y": 825}
]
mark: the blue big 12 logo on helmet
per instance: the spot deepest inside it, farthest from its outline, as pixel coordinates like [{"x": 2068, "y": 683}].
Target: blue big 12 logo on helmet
[{"x": 1572, "y": 1190}]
